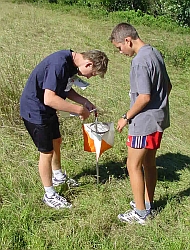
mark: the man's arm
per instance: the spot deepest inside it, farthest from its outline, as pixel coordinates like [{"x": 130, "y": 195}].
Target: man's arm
[
  {"x": 74, "y": 96},
  {"x": 141, "y": 102},
  {"x": 54, "y": 101}
]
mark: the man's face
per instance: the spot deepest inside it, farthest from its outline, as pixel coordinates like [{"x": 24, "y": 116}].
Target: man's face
[
  {"x": 86, "y": 70},
  {"x": 124, "y": 48}
]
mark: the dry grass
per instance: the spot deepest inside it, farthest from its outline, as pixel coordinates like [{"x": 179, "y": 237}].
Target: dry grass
[{"x": 28, "y": 34}]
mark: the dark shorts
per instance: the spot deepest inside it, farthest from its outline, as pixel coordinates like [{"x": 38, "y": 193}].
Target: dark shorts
[
  {"x": 43, "y": 134},
  {"x": 151, "y": 141}
]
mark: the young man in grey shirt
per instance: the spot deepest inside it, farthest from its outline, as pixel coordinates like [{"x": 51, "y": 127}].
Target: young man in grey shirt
[{"x": 147, "y": 117}]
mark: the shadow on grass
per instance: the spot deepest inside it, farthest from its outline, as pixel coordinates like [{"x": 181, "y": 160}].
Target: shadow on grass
[
  {"x": 169, "y": 164},
  {"x": 107, "y": 170},
  {"x": 161, "y": 203}
]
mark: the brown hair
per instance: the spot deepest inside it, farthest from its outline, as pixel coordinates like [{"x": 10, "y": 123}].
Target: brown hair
[{"x": 99, "y": 60}]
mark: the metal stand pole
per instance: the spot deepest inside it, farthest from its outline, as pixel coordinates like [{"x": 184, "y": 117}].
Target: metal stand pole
[{"x": 97, "y": 172}]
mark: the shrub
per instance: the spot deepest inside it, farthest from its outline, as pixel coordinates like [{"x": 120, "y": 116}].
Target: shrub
[{"x": 177, "y": 10}]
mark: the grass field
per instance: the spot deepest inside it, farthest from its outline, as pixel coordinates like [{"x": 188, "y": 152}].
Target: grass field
[{"x": 28, "y": 34}]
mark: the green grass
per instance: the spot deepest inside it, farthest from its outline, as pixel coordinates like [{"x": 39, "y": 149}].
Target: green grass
[{"x": 28, "y": 34}]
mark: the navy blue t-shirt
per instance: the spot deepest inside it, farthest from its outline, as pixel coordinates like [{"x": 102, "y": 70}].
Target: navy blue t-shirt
[{"x": 51, "y": 73}]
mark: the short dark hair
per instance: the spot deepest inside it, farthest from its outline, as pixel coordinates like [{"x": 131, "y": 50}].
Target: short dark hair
[{"x": 123, "y": 30}]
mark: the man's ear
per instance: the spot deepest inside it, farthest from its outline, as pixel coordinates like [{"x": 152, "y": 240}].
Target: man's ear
[
  {"x": 128, "y": 40},
  {"x": 89, "y": 64}
]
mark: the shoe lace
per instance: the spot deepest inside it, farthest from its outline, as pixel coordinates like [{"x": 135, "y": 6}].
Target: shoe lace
[{"x": 60, "y": 198}]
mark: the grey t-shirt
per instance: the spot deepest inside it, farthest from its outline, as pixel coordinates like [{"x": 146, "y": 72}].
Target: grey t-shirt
[{"x": 148, "y": 75}]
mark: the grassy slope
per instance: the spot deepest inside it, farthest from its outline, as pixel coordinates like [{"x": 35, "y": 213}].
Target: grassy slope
[{"x": 28, "y": 34}]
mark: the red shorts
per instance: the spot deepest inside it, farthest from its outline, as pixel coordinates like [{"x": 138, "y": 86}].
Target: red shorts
[{"x": 151, "y": 141}]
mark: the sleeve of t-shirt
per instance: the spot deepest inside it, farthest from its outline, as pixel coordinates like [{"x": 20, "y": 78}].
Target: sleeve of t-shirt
[
  {"x": 52, "y": 77},
  {"x": 142, "y": 79}
]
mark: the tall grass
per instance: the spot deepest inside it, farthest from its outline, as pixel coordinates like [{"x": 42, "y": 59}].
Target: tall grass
[{"x": 28, "y": 34}]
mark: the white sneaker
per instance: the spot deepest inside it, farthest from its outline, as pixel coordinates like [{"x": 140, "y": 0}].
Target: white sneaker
[
  {"x": 132, "y": 204},
  {"x": 131, "y": 217},
  {"x": 57, "y": 182},
  {"x": 56, "y": 201},
  {"x": 64, "y": 179}
]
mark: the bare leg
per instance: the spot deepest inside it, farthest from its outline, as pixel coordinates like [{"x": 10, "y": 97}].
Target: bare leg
[
  {"x": 150, "y": 173},
  {"x": 134, "y": 166},
  {"x": 45, "y": 169},
  {"x": 56, "y": 159}
]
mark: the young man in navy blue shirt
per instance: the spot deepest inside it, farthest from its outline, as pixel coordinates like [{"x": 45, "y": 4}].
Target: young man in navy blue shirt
[{"x": 45, "y": 92}]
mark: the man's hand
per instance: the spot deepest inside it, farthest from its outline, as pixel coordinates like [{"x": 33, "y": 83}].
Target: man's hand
[
  {"x": 89, "y": 105},
  {"x": 84, "y": 113},
  {"x": 121, "y": 124}
]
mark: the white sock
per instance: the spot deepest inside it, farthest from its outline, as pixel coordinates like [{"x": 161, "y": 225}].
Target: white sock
[{"x": 49, "y": 191}]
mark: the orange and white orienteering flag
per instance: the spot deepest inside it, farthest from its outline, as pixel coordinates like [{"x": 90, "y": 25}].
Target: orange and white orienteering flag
[{"x": 98, "y": 143}]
